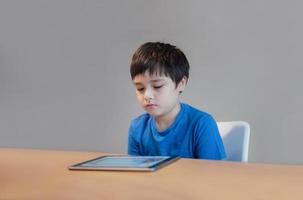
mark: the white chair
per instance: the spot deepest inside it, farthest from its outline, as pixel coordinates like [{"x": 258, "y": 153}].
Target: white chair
[{"x": 235, "y": 136}]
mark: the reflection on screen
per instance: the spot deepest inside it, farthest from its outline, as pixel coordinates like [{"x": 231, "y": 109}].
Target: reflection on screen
[{"x": 127, "y": 161}]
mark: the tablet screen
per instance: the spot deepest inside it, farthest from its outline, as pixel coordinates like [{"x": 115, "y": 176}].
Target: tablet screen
[
  {"x": 124, "y": 161},
  {"x": 141, "y": 163}
]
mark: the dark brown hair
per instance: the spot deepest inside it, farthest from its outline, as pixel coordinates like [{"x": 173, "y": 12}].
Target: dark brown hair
[{"x": 157, "y": 57}]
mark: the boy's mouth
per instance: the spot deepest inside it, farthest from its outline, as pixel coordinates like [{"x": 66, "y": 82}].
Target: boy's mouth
[{"x": 150, "y": 105}]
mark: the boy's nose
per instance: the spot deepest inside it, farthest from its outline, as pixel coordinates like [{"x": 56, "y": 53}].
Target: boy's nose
[{"x": 148, "y": 95}]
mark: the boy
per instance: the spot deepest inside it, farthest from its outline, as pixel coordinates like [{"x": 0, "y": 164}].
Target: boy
[{"x": 169, "y": 128}]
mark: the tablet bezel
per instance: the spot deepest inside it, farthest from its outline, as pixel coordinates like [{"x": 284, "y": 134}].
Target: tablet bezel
[{"x": 153, "y": 167}]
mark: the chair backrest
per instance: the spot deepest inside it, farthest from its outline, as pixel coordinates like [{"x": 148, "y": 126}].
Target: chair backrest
[{"x": 235, "y": 136}]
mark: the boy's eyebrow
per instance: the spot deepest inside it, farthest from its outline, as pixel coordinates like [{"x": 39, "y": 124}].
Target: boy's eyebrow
[
  {"x": 138, "y": 83},
  {"x": 157, "y": 80},
  {"x": 153, "y": 80}
]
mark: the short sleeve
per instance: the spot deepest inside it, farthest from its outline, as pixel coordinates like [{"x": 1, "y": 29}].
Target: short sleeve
[
  {"x": 133, "y": 145},
  {"x": 207, "y": 140}
]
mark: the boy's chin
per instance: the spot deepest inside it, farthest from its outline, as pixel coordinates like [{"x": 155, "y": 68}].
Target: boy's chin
[{"x": 153, "y": 113}]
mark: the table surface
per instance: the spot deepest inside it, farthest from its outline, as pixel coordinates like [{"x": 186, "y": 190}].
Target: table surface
[{"x": 42, "y": 174}]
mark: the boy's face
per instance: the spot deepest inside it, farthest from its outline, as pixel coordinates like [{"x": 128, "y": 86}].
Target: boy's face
[{"x": 158, "y": 94}]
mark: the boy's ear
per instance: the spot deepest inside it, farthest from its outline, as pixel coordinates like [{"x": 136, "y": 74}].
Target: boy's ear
[{"x": 182, "y": 84}]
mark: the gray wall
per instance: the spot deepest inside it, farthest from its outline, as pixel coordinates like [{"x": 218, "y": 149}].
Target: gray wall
[{"x": 64, "y": 69}]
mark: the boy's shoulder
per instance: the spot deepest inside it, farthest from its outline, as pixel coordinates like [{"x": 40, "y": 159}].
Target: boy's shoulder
[
  {"x": 194, "y": 112},
  {"x": 198, "y": 118},
  {"x": 141, "y": 119}
]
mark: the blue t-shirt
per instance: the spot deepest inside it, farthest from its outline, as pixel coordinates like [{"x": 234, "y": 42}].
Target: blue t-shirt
[{"x": 194, "y": 134}]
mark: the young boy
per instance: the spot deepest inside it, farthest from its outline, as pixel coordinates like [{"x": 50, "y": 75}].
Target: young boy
[{"x": 169, "y": 128}]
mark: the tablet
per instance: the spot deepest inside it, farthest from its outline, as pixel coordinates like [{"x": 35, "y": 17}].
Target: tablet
[{"x": 125, "y": 163}]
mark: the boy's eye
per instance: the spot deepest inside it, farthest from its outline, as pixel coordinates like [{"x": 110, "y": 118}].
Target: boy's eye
[
  {"x": 140, "y": 89},
  {"x": 158, "y": 86}
]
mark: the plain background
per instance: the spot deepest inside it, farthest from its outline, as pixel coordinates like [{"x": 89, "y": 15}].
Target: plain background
[{"x": 64, "y": 69}]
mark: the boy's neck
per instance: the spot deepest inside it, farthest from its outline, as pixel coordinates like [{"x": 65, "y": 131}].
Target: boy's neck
[{"x": 165, "y": 121}]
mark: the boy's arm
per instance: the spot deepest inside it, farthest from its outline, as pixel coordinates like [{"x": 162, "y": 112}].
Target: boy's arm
[
  {"x": 133, "y": 145},
  {"x": 208, "y": 142}
]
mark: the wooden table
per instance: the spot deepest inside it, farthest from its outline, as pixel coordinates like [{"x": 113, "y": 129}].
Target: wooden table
[{"x": 41, "y": 174}]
